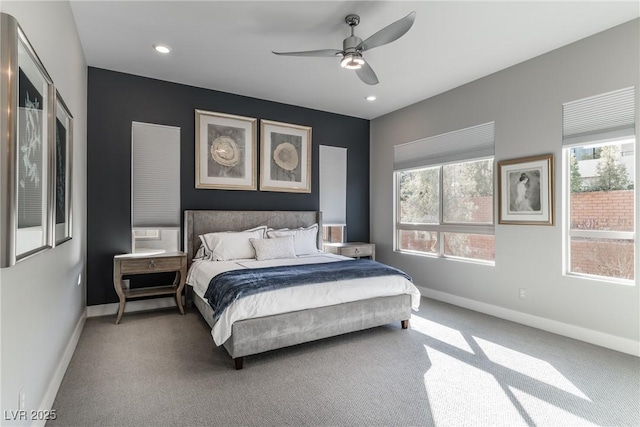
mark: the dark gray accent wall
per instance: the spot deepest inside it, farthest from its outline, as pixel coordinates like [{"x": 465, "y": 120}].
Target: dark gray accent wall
[{"x": 116, "y": 99}]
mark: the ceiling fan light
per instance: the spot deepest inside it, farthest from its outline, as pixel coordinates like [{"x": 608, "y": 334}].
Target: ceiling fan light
[{"x": 352, "y": 61}]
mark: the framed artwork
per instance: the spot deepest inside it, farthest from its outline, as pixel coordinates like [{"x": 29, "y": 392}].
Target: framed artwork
[
  {"x": 63, "y": 168},
  {"x": 285, "y": 157},
  {"x": 226, "y": 148},
  {"x": 526, "y": 190},
  {"x": 27, "y": 100}
]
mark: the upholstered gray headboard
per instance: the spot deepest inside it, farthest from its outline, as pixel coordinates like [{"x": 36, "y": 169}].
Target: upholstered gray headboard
[{"x": 202, "y": 222}]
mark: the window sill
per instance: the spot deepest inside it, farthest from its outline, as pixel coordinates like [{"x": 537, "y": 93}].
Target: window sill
[
  {"x": 447, "y": 258},
  {"x": 601, "y": 279}
]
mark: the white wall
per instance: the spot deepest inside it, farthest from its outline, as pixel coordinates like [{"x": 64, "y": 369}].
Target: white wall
[
  {"x": 525, "y": 101},
  {"x": 42, "y": 306}
]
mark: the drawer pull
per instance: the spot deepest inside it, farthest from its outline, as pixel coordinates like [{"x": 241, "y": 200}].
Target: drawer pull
[{"x": 152, "y": 264}]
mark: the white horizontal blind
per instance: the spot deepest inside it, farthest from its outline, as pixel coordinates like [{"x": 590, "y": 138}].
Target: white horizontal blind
[
  {"x": 465, "y": 144},
  {"x": 606, "y": 116},
  {"x": 333, "y": 185},
  {"x": 155, "y": 181}
]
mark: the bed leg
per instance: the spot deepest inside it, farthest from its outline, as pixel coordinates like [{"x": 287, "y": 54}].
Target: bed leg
[
  {"x": 405, "y": 324},
  {"x": 238, "y": 361}
]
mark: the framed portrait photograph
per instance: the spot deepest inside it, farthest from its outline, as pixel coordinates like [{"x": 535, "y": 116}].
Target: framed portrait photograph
[
  {"x": 63, "y": 164},
  {"x": 285, "y": 157},
  {"x": 526, "y": 191},
  {"x": 225, "y": 151}
]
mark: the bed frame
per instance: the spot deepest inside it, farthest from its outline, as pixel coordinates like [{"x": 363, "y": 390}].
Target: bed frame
[{"x": 253, "y": 336}]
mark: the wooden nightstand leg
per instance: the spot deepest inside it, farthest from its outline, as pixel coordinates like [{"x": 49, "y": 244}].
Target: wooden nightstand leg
[
  {"x": 117, "y": 285},
  {"x": 120, "y": 309},
  {"x": 179, "y": 282},
  {"x": 179, "y": 302}
]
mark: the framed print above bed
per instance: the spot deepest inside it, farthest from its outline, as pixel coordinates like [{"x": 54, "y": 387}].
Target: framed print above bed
[
  {"x": 526, "y": 190},
  {"x": 63, "y": 167},
  {"x": 225, "y": 151},
  {"x": 285, "y": 157}
]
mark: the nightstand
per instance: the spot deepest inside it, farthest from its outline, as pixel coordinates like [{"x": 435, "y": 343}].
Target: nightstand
[
  {"x": 144, "y": 264},
  {"x": 351, "y": 249}
]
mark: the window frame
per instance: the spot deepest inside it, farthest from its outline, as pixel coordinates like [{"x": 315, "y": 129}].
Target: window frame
[
  {"x": 442, "y": 226},
  {"x": 568, "y": 233}
]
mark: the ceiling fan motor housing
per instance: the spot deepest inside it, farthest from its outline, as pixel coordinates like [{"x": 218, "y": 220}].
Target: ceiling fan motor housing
[{"x": 349, "y": 44}]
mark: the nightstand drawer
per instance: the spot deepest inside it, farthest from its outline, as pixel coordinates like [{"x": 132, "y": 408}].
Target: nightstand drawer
[
  {"x": 132, "y": 266},
  {"x": 351, "y": 249},
  {"x": 357, "y": 251}
]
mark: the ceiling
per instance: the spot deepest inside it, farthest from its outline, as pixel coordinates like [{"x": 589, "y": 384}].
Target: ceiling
[{"x": 227, "y": 46}]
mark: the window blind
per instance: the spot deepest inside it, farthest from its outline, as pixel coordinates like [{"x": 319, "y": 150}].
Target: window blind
[
  {"x": 464, "y": 144},
  {"x": 605, "y": 116},
  {"x": 155, "y": 181},
  {"x": 333, "y": 185}
]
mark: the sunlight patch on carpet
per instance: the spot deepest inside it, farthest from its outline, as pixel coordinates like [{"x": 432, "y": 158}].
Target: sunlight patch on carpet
[
  {"x": 440, "y": 332},
  {"x": 461, "y": 394},
  {"x": 532, "y": 367},
  {"x": 544, "y": 413}
]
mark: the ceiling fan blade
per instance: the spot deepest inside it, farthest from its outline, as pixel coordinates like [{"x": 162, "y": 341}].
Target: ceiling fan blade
[
  {"x": 391, "y": 32},
  {"x": 332, "y": 53},
  {"x": 367, "y": 75}
]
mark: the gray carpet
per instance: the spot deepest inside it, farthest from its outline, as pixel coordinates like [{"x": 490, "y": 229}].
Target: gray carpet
[{"x": 453, "y": 367}]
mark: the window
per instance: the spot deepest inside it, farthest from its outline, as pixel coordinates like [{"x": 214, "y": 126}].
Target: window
[
  {"x": 155, "y": 188},
  {"x": 600, "y": 217},
  {"x": 333, "y": 193},
  {"x": 446, "y": 209}
]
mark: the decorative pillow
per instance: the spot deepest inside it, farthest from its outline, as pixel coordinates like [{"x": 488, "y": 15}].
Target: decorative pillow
[
  {"x": 279, "y": 247},
  {"x": 229, "y": 245},
  {"x": 305, "y": 240}
]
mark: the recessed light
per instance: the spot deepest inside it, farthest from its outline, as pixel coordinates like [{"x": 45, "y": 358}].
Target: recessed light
[
  {"x": 371, "y": 98},
  {"x": 162, "y": 48}
]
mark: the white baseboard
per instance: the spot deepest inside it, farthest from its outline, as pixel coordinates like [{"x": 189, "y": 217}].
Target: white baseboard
[
  {"x": 61, "y": 369},
  {"x": 612, "y": 342},
  {"x": 130, "y": 307}
]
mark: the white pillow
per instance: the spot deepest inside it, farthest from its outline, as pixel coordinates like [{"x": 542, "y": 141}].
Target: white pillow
[
  {"x": 229, "y": 245},
  {"x": 200, "y": 253},
  {"x": 305, "y": 240},
  {"x": 279, "y": 247}
]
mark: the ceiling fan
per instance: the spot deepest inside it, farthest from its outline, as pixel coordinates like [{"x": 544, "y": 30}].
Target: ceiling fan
[{"x": 353, "y": 47}]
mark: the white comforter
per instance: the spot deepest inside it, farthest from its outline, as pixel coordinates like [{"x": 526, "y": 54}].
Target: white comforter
[{"x": 293, "y": 298}]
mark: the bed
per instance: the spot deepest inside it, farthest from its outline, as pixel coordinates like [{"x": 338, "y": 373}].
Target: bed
[{"x": 295, "y": 325}]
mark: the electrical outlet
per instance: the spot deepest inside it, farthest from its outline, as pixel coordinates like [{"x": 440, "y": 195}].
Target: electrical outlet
[
  {"x": 523, "y": 293},
  {"x": 22, "y": 396}
]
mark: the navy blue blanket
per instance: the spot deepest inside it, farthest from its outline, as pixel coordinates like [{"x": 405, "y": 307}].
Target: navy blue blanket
[{"x": 227, "y": 287}]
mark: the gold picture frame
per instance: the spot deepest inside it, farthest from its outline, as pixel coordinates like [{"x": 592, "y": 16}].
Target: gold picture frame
[
  {"x": 226, "y": 147},
  {"x": 285, "y": 157},
  {"x": 525, "y": 191}
]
